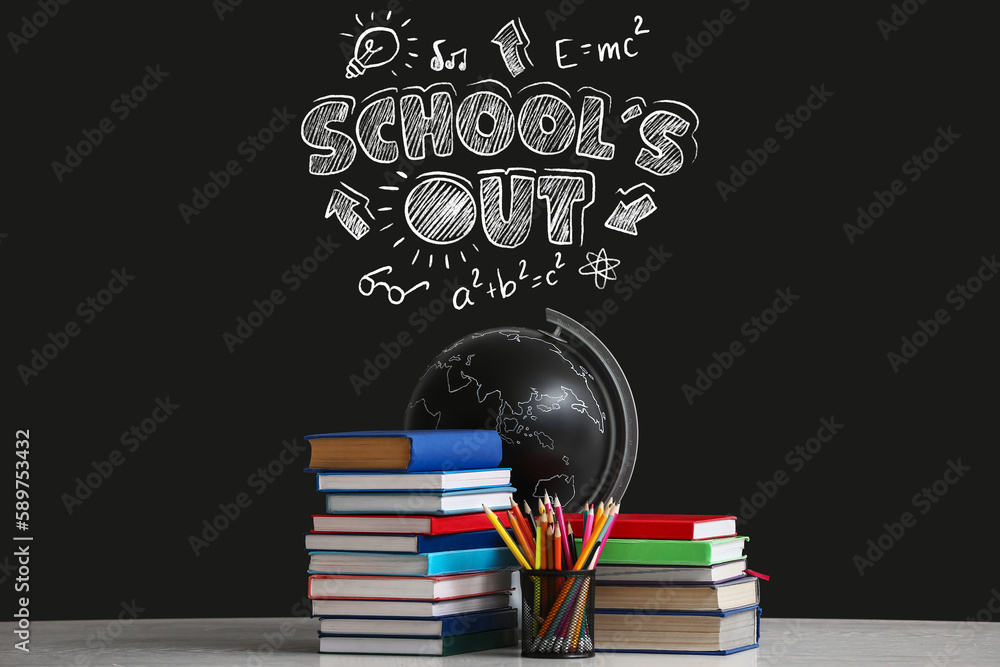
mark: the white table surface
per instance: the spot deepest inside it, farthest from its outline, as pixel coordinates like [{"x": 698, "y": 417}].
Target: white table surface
[{"x": 249, "y": 642}]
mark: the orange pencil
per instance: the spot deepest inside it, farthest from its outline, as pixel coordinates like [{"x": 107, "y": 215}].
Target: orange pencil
[
  {"x": 528, "y": 532},
  {"x": 519, "y": 534},
  {"x": 543, "y": 527},
  {"x": 558, "y": 548}
]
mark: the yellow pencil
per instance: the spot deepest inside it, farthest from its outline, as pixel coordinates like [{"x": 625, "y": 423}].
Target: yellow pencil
[
  {"x": 538, "y": 546},
  {"x": 506, "y": 538}
]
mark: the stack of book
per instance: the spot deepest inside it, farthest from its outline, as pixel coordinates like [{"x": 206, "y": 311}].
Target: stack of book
[
  {"x": 403, "y": 561},
  {"x": 674, "y": 584}
]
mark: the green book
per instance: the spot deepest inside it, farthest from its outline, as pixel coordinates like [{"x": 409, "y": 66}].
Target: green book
[
  {"x": 671, "y": 552},
  {"x": 467, "y": 643}
]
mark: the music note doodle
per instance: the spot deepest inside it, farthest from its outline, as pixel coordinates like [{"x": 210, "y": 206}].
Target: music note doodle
[{"x": 438, "y": 62}]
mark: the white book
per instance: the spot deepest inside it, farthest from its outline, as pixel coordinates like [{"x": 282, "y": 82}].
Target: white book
[
  {"x": 411, "y": 608},
  {"x": 445, "y": 502},
  {"x": 408, "y": 588},
  {"x": 448, "y": 480}
]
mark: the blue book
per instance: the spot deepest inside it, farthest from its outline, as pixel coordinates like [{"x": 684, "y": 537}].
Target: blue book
[
  {"x": 421, "y": 565},
  {"x": 406, "y": 450},
  {"x": 423, "y": 544},
  {"x": 446, "y": 626},
  {"x": 696, "y": 632},
  {"x": 431, "y": 502}
]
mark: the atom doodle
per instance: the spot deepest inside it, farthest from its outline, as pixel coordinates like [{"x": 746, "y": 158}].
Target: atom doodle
[{"x": 601, "y": 267}]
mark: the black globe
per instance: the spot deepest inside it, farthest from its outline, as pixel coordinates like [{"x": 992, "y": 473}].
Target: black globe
[{"x": 550, "y": 403}]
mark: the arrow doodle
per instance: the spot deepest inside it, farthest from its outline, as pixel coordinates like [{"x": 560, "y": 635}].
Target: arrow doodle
[
  {"x": 342, "y": 205},
  {"x": 513, "y": 42},
  {"x": 625, "y": 217}
]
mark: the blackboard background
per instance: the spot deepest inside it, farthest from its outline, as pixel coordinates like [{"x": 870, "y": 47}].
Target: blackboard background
[{"x": 825, "y": 358}]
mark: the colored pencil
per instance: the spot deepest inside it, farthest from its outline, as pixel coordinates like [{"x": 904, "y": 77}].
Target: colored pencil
[
  {"x": 545, "y": 554},
  {"x": 519, "y": 534},
  {"x": 589, "y": 545},
  {"x": 529, "y": 532},
  {"x": 506, "y": 538},
  {"x": 562, "y": 529},
  {"x": 604, "y": 540},
  {"x": 538, "y": 547},
  {"x": 572, "y": 545},
  {"x": 605, "y": 530},
  {"x": 558, "y": 551},
  {"x": 528, "y": 517},
  {"x": 549, "y": 548},
  {"x": 589, "y": 525}
]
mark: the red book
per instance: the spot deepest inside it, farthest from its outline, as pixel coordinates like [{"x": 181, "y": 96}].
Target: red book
[
  {"x": 411, "y": 524},
  {"x": 664, "y": 526}
]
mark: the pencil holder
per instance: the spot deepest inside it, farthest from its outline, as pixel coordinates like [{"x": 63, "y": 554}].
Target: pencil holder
[{"x": 557, "y": 613}]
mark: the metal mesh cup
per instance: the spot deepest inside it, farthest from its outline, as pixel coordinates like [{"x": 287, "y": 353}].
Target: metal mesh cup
[{"x": 557, "y": 613}]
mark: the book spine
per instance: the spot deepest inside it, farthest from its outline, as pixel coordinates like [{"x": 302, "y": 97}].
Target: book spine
[
  {"x": 470, "y": 560},
  {"x": 479, "y": 539},
  {"x": 451, "y": 450}
]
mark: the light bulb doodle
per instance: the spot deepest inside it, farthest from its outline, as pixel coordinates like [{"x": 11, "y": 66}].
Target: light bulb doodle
[{"x": 375, "y": 47}]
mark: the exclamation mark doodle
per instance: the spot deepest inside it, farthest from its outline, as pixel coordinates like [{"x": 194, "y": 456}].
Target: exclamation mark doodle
[{"x": 513, "y": 43}]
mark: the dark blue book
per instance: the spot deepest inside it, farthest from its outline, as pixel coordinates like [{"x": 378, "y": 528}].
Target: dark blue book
[
  {"x": 394, "y": 626},
  {"x": 422, "y": 544},
  {"x": 406, "y": 450}
]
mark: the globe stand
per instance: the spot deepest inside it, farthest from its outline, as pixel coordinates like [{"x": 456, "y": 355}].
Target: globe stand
[{"x": 626, "y": 401}]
